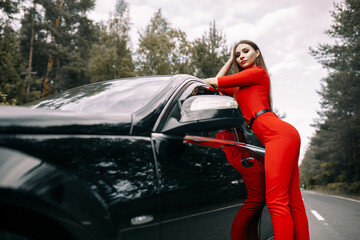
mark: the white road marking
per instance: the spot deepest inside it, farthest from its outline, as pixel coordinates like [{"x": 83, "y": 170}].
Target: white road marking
[
  {"x": 345, "y": 198},
  {"x": 317, "y": 215},
  {"x": 335, "y": 196}
]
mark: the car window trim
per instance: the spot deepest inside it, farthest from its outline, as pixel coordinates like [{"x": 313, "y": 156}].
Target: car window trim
[{"x": 187, "y": 83}]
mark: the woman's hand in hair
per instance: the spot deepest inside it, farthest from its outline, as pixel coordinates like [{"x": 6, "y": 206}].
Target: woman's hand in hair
[
  {"x": 232, "y": 54},
  {"x": 226, "y": 68}
]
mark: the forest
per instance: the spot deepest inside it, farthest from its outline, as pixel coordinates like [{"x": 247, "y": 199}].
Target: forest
[
  {"x": 332, "y": 160},
  {"x": 57, "y": 47}
]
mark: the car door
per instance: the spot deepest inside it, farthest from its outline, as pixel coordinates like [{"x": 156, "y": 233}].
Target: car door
[{"x": 201, "y": 175}]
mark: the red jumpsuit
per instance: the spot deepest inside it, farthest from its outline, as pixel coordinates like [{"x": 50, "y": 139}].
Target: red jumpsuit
[
  {"x": 245, "y": 223},
  {"x": 250, "y": 88}
]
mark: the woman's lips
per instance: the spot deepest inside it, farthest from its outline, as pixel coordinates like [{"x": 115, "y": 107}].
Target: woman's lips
[{"x": 243, "y": 62}]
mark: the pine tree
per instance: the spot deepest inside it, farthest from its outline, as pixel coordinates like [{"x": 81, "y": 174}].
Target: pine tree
[
  {"x": 162, "y": 49},
  {"x": 180, "y": 56},
  {"x": 111, "y": 56},
  {"x": 12, "y": 89},
  {"x": 9, "y": 7},
  {"x": 155, "y": 47},
  {"x": 62, "y": 36},
  {"x": 209, "y": 53},
  {"x": 337, "y": 139},
  {"x": 10, "y": 59}
]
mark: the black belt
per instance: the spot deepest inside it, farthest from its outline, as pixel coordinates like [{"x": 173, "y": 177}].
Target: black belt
[{"x": 258, "y": 114}]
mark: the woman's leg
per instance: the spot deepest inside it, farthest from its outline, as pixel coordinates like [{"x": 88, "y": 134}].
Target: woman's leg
[
  {"x": 297, "y": 209},
  {"x": 280, "y": 161},
  {"x": 244, "y": 226},
  {"x": 282, "y": 190}
]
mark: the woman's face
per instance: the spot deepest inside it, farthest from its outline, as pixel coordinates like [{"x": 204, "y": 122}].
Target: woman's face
[{"x": 246, "y": 56}]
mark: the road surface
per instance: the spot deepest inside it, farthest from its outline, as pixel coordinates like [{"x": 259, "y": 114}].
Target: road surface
[{"x": 332, "y": 217}]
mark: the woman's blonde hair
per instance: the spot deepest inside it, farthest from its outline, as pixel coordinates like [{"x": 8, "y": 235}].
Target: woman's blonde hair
[{"x": 259, "y": 62}]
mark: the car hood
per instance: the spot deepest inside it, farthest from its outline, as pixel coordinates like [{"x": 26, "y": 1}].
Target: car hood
[{"x": 27, "y": 120}]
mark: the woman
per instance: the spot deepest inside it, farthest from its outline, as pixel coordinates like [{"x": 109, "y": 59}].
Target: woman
[{"x": 250, "y": 86}]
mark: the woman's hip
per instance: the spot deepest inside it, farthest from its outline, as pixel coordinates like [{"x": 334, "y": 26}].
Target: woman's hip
[{"x": 269, "y": 127}]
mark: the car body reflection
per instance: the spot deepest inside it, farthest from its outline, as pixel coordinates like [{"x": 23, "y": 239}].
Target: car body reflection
[{"x": 245, "y": 224}]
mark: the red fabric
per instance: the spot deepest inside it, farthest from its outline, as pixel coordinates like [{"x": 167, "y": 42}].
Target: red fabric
[
  {"x": 251, "y": 88},
  {"x": 282, "y": 191},
  {"x": 245, "y": 223},
  {"x": 282, "y": 144}
]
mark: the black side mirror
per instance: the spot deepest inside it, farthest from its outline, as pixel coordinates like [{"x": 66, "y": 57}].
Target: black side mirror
[{"x": 205, "y": 112}]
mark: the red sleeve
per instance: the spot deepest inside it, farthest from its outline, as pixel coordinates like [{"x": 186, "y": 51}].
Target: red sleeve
[
  {"x": 227, "y": 91},
  {"x": 247, "y": 77}
]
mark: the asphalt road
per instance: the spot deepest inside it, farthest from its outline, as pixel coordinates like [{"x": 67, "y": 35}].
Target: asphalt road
[{"x": 331, "y": 217}]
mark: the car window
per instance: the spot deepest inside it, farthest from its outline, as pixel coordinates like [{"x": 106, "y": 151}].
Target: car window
[{"x": 120, "y": 96}]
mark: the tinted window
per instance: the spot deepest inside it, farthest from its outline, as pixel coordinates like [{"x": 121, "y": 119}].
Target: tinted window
[{"x": 120, "y": 96}]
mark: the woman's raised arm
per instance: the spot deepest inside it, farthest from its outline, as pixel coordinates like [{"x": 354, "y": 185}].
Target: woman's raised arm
[
  {"x": 223, "y": 71},
  {"x": 226, "y": 68}
]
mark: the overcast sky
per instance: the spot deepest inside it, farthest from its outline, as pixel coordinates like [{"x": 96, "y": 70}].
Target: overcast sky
[{"x": 283, "y": 29}]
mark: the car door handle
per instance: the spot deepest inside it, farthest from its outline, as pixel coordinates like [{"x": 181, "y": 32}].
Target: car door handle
[
  {"x": 247, "y": 162},
  {"x": 141, "y": 219}
]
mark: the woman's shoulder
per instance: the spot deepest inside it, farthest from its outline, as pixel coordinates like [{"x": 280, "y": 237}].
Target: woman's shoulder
[
  {"x": 259, "y": 72},
  {"x": 259, "y": 68}
]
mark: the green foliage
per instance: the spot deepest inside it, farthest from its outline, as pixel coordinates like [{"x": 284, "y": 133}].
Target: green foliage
[
  {"x": 62, "y": 32},
  {"x": 58, "y": 42},
  {"x": 155, "y": 45},
  {"x": 209, "y": 53},
  {"x": 335, "y": 147},
  {"x": 181, "y": 58},
  {"x": 163, "y": 50},
  {"x": 11, "y": 87},
  {"x": 9, "y": 7},
  {"x": 111, "y": 56}
]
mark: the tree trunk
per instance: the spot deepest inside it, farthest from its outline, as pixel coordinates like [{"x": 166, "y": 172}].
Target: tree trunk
[
  {"x": 46, "y": 82},
  {"x": 28, "y": 76}
]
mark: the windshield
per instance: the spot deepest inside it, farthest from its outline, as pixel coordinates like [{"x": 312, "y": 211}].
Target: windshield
[{"x": 116, "y": 96}]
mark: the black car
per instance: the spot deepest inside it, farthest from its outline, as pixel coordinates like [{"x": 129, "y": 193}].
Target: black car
[{"x": 138, "y": 158}]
